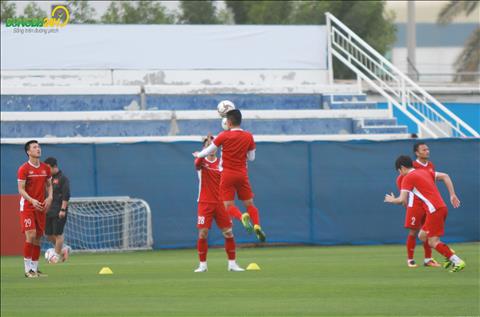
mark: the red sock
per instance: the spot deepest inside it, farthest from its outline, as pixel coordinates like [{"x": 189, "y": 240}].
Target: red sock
[
  {"x": 27, "y": 250},
  {"x": 35, "y": 252},
  {"x": 428, "y": 250},
  {"x": 411, "y": 243},
  {"x": 234, "y": 212},
  {"x": 444, "y": 250},
  {"x": 230, "y": 248},
  {"x": 253, "y": 212},
  {"x": 202, "y": 247}
]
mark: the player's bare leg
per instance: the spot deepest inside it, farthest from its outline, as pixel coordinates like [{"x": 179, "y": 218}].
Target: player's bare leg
[
  {"x": 230, "y": 250},
  {"x": 411, "y": 242},
  {"x": 59, "y": 249},
  {"x": 36, "y": 256},
  {"x": 202, "y": 247},
  {"x": 234, "y": 212},
  {"x": 253, "y": 212},
  {"x": 27, "y": 253},
  {"x": 443, "y": 249}
]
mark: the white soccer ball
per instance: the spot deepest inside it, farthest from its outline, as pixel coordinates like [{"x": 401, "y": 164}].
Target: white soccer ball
[
  {"x": 225, "y": 106},
  {"x": 51, "y": 256}
]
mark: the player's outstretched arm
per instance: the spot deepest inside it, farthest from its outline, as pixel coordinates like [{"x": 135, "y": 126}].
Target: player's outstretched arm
[
  {"x": 451, "y": 190},
  {"x": 391, "y": 199},
  {"x": 206, "y": 151}
]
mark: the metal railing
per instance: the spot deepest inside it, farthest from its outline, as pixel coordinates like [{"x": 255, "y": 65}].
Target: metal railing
[{"x": 432, "y": 118}]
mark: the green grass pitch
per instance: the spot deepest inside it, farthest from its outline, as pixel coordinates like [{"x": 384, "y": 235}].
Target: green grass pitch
[{"x": 294, "y": 281}]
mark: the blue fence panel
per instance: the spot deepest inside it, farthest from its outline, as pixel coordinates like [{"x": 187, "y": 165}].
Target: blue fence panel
[{"x": 307, "y": 192}]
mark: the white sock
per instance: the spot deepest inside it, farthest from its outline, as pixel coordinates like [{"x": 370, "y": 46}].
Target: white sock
[
  {"x": 455, "y": 259},
  {"x": 232, "y": 262},
  {"x": 203, "y": 264},
  {"x": 426, "y": 260},
  {"x": 27, "y": 264},
  {"x": 34, "y": 266}
]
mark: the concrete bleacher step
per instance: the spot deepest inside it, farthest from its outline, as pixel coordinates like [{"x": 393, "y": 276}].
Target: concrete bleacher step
[
  {"x": 352, "y": 105},
  {"x": 69, "y": 102},
  {"x": 115, "y": 102},
  {"x": 345, "y": 97},
  {"x": 379, "y": 129},
  {"x": 23, "y": 129},
  {"x": 379, "y": 121}
]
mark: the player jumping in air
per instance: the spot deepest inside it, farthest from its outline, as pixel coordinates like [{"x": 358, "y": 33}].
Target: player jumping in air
[
  {"x": 421, "y": 183},
  {"x": 210, "y": 207},
  {"x": 237, "y": 145},
  {"x": 34, "y": 179}
]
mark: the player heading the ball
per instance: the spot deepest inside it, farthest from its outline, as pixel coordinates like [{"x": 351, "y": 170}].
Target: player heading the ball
[{"x": 237, "y": 146}]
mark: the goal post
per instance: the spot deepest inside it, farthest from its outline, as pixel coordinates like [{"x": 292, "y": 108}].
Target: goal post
[{"x": 108, "y": 224}]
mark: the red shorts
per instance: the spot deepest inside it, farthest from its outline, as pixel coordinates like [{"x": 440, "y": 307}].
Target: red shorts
[
  {"x": 233, "y": 182},
  {"x": 33, "y": 220},
  {"x": 414, "y": 218},
  {"x": 435, "y": 222},
  {"x": 209, "y": 211}
]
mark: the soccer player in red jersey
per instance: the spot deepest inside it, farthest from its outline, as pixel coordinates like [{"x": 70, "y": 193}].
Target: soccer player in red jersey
[
  {"x": 210, "y": 207},
  {"x": 237, "y": 146},
  {"x": 34, "y": 180},
  {"x": 421, "y": 183},
  {"x": 415, "y": 214}
]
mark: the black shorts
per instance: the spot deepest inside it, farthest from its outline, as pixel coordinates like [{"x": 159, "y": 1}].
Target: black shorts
[{"x": 54, "y": 225}]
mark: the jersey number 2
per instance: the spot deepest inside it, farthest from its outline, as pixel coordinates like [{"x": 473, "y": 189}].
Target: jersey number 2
[{"x": 412, "y": 222}]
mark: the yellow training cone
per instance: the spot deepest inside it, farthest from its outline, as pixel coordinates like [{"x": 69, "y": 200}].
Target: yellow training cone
[
  {"x": 105, "y": 270},
  {"x": 253, "y": 267}
]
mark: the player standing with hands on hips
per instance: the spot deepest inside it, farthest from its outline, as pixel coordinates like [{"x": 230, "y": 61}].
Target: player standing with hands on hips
[
  {"x": 34, "y": 181},
  {"x": 237, "y": 146}
]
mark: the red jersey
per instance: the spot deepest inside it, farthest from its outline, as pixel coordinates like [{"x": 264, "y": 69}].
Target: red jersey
[
  {"x": 429, "y": 166},
  {"x": 209, "y": 180},
  {"x": 235, "y": 143},
  {"x": 421, "y": 183},
  {"x": 35, "y": 178},
  {"x": 414, "y": 201}
]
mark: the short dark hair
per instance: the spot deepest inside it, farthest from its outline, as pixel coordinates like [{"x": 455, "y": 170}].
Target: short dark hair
[
  {"x": 417, "y": 145},
  {"x": 27, "y": 145},
  {"x": 206, "y": 139},
  {"x": 403, "y": 160},
  {"x": 51, "y": 161},
  {"x": 235, "y": 117}
]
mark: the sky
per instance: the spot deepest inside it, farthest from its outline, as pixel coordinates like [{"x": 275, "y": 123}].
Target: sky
[
  {"x": 99, "y": 6},
  {"x": 426, "y": 11}
]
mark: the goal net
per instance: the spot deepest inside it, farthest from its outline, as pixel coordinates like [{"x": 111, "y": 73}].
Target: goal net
[{"x": 108, "y": 224}]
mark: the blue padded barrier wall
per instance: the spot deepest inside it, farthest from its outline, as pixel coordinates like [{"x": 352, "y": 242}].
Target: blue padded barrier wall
[{"x": 307, "y": 192}]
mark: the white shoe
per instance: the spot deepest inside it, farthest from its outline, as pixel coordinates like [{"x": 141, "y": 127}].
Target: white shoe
[
  {"x": 201, "y": 269},
  {"x": 235, "y": 268}
]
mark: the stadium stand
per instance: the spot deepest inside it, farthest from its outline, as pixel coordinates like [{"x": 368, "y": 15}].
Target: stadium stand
[{"x": 120, "y": 115}]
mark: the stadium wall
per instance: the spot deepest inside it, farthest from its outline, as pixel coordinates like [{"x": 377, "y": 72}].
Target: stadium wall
[{"x": 321, "y": 192}]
